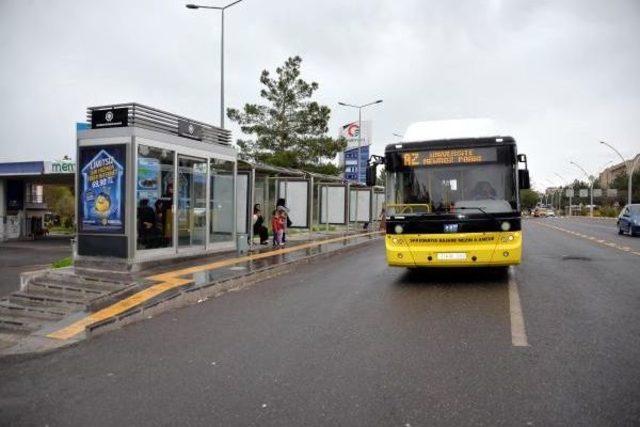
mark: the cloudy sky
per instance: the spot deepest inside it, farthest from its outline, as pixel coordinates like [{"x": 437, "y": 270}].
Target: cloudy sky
[{"x": 557, "y": 75}]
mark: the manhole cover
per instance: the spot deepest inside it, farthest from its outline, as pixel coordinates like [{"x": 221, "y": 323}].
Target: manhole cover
[{"x": 575, "y": 258}]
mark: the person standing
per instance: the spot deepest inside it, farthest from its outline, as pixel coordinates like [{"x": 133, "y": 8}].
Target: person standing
[
  {"x": 281, "y": 205},
  {"x": 383, "y": 220},
  {"x": 258, "y": 225},
  {"x": 277, "y": 226}
]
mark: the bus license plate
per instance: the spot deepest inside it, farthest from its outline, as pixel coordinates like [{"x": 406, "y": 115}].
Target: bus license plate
[{"x": 448, "y": 256}]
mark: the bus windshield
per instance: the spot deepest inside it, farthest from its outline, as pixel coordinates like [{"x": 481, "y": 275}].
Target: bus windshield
[{"x": 483, "y": 188}]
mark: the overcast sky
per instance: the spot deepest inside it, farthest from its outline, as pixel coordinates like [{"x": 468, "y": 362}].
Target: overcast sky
[{"x": 556, "y": 75}]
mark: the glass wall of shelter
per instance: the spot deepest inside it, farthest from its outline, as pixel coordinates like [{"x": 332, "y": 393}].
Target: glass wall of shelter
[{"x": 184, "y": 198}]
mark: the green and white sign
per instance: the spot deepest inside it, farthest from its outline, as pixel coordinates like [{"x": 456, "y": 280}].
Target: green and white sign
[{"x": 59, "y": 167}]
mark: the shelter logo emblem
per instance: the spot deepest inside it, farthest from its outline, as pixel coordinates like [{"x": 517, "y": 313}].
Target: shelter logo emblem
[
  {"x": 108, "y": 116},
  {"x": 191, "y": 129}
]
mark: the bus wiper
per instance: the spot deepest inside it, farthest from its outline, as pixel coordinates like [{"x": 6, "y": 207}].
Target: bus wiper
[{"x": 481, "y": 210}]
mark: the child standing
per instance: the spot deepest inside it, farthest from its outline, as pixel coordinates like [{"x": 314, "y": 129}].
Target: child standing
[{"x": 277, "y": 225}]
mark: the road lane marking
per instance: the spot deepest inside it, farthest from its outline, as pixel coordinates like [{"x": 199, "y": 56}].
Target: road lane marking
[
  {"x": 518, "y": 331},
  {"x": 174, "y": 279},
  {"x": 601, "y": 242}
]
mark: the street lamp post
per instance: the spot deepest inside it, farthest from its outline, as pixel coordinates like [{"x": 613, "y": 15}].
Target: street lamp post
[
  {"x": 570, "y": 197},
  {"x": 629, "y": 167},
  {"x": 359, "y": 107},
  {"x": 221, "y": 9},
  {"x": 590, "y": 179},
  {"x": 556, "y": 194}
]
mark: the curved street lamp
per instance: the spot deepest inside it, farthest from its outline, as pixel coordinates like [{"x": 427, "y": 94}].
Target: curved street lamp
[
  {"x": 629, "y": 167},
  {"x": 590, "y": 179}
]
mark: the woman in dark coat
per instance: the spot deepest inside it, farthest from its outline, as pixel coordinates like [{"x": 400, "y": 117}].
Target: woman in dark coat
[{"x": 258, "y": 225}]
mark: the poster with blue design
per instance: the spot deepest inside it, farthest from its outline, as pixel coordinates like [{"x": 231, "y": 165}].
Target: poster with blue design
[{"x": 102, "y": 189}]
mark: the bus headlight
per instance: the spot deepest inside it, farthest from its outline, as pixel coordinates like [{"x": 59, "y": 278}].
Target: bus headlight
[
  {"x": 505, "y": 226},
  {"x": 398, "y": 229}
]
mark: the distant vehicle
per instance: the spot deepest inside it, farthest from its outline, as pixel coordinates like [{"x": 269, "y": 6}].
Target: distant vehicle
[
  {"x": 543, "y": 212},
  {"x": 629, "y": 220}
]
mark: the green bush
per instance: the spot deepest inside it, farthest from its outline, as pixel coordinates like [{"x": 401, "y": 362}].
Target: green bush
[
  {"x": 64, "y": 262},
  {"x": 608, "y": 211}
]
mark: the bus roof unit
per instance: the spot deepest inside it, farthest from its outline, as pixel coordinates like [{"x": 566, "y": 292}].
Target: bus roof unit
[{"x": 438, "y": 130}]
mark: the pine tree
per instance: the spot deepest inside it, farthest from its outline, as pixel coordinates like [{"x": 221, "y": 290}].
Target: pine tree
[{"x": 291, "y": 130}]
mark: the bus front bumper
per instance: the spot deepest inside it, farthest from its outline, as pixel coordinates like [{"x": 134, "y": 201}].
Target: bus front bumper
[{"x": 454, "y": 250}]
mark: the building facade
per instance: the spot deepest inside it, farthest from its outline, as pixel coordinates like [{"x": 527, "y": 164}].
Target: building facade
[{"x": 610, "y": 174}]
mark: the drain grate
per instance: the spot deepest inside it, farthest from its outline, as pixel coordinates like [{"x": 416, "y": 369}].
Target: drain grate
[{"x": 575, "y": 258}]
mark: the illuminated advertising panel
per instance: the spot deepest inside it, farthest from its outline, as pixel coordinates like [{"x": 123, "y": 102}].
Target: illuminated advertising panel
[{"x": 102, "y": 189}]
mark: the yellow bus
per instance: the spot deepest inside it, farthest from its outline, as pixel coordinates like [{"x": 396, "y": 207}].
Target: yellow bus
[{"x": 453, "y": 202}]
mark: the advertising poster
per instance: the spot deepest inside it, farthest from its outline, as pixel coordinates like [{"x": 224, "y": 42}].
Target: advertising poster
[
  {"x": 102, "y": 189},
  {"x": 148, "y": 185}
]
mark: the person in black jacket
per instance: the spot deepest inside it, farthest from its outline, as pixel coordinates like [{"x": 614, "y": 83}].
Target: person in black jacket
[
  {"x": 258, "y": 225},
  {"x": 282, "y": 205},
  {"x": 146, "y": 224}
]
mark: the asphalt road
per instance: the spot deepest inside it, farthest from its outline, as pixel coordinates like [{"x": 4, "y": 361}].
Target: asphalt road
[
  {"x": 19, "y": 256},
  {"x": 349, "y": 341}
]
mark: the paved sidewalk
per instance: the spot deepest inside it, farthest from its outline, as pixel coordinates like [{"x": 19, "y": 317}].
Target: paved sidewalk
[
  {"x": 180, "y": 284},
  {"x": 17, "y": 257}
]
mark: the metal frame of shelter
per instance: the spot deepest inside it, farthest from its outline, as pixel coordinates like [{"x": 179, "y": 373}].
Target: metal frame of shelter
[{"x": 272, "y": 176}]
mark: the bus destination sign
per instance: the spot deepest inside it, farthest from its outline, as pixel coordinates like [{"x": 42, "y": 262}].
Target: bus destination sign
[{"x": 449, "y": 157}]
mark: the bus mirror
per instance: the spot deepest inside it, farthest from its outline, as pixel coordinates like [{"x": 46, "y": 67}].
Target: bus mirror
[
  {"x": 523, "y": 179},
  {"x": 371, "y": 175}
]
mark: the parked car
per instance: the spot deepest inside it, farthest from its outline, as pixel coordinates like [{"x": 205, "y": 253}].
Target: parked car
[{"x": 629, "y": 220}]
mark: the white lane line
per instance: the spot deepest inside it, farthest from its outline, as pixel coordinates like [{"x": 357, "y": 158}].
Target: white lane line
[{"x": 518, "y": 331}]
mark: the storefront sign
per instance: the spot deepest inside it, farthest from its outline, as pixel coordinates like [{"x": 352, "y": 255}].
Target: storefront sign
[
  {"x": 102, "y": 189},
  {"x": 189, "y": 130},
  {"x": 115, "y": 117},
  {"x": 59, "y": 167},
  {"x": 449, "y": 157}
]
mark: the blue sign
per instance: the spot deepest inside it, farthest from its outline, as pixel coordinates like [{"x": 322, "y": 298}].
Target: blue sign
[
  {"x": 102, "y": 189},
  {"x": 82, "y": 126},
  {"x": 356, "y": 169}
]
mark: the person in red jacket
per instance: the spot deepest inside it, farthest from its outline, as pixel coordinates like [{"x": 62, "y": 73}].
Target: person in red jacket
[{"x": 277, "y": 226}]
